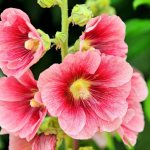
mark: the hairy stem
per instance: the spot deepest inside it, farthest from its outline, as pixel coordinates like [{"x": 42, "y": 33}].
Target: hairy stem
[{"x": 65, "y": 27}]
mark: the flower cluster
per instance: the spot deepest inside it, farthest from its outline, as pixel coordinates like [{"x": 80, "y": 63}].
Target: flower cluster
[{"x": 93, "y": 90}]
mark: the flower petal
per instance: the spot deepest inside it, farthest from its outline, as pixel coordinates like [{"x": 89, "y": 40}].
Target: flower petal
[
  {"x": 16, "y": 143},
  {"x": 89, "y": 60},
  {"x": 9, "y": 13},
  {"x": 102, "y": 34},
  {"x": 72, "y": 120},
  {"x": 7, "y": 92},
  {"x": 44, "y": 142},
  {"x": 114, "y": 71},
  {"x": 139, "y": 90},
  {"x": 90, "y": 127}
]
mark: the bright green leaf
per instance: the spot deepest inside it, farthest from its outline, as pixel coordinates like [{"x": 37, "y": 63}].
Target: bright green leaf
[
  {"x": 147, "y": 103},
  {"x": 110, "y": 142},
  {"x": 86, "y": 148},
  {"x": 138, "y": 39},
  {"x": 1, "y": 73},
  {"x": 137, "y": 3}
]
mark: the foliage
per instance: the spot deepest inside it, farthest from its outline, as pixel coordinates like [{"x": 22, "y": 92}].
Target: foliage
[
  {"x": 138, "y": 39},
  {"x": 137, "y": 3},
  {"x": 147, "y": 104}
]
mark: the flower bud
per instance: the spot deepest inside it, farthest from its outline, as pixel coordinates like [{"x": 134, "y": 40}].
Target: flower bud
[
  {"x": 109, "y": 10},
  {"x": 49, "y": 126},
  {"x": 47, "y": 3},
  {"x": 100, "y": 6},
  {"x": 46, "y": 39},
  {"x": 81, "y": 14},
  {"x": 101, "y": 3},
  {"x": 60, "y": 38}
]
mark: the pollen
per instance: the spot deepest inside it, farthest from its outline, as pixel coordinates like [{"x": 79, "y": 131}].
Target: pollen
[
  {"x": 34, "y": 103},
  {"x": 86, "y": 46},
  {"x": 31, "y": 44},
  {"x": 80, "y": 89}
]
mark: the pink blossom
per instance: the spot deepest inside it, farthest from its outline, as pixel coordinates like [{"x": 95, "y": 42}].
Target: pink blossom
[
  {"x": 87, "y": 92},
  {"x": 106, "y": 34},
  {"x": 139, "y": 90},
  {"x": 44, "y": 142},
  {"x": 40, "y": 142},
  {"x": 16, "y": 143},
  {"x": 20, "y": 44},
  {"x": 100, "y": 139},
  {"x": 133, "y": 122},
  {"x": 21, "y": 108}
]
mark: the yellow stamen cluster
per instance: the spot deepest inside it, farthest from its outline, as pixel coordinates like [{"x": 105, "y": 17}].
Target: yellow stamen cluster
[
  {"x": 34, "y": 103},
  {"x": 86, "y": 46},
  {"x": 80, "y": 89},
  {"x": 32, "y": 44}
]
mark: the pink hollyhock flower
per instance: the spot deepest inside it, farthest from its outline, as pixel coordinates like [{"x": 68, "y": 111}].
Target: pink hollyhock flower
[
  {"x": 40, "y": 142},
  {"x": 87, "y": 92},
  {"x": 20, "y": 44},
  {"x": 133, "y": 122},
  {"x": 21, "y": 109},
  {"x": 16, "y": 143},
  {"x": 139, "y": 89},
  {"x": 44, "y": 142},
  {"x": 106, "y": 34}
]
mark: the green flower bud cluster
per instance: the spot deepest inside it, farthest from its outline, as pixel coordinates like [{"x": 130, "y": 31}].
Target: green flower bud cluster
[
  {"x": 49, "y": 126},
  {"x": 81, "y": 14},
  {"x": 100, "y": 6},
  {"x": 47, "y": 3},
  {"x": 60, "y": 38}
]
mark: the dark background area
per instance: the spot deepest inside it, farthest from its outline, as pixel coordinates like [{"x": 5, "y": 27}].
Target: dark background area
[{"x": 138, "y": 39}]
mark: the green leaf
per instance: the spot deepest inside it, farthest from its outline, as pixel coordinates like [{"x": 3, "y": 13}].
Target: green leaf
[
  {"x": 110, "y": 142},
  {"x": 147, "y": 103},
  {"x": 86, "y": 148},
  {"x": 1, "y": 73},
  {"x": 138, "y": 39},
  {"x": 137, "y": 3}
]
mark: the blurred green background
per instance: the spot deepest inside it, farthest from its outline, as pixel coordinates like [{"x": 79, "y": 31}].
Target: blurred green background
[{"x": 137, "y": 37}]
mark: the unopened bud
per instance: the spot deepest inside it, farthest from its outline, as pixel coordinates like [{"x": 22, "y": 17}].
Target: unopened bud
[
  {"x": 49, "y": 126},
  {"x": 60, "y": 38},
  {"x": 109, "y": 10},
  {"x": 47, "y": 3},
  {"x": 46, "y": 39},
  {"x": 101, "y": 3},
  {"x": 100, "y": 6},
  {"x": 81, "y": 14}
]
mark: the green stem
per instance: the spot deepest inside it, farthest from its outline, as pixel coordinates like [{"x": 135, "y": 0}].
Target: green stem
[
  {"x": 65, "y": 27},
  {"x": 52, "y": 41},
  {"x": 68, "y": 142},
  {"x": 75, "y": 144}
]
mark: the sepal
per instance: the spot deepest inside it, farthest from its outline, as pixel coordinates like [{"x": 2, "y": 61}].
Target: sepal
[
  {"x": 46, "y": 39},
  {"x": 81, "y": 14}
]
